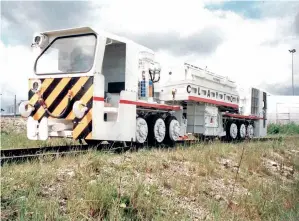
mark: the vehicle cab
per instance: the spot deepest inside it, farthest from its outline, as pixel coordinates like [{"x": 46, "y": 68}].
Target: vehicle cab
[{"x": 84, "y": 85}]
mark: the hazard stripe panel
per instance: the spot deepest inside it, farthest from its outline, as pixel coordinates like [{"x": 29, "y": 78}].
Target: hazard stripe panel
[
  {"x": 45, "y": 93},
  {"x": 74, "y": 90},
  {"x": 54, "y": 91},
  {"x": 82, "y": 128},
  {"x": 77, "y": 97},
  {"x": 62, "y": 94},
  {"x": 45, "y": 85},
  {"x": 89, "y": 136},
  {"x": 86, "y": 125},
  {"x": 85, "y": 99},
  {"x": 50, "y": 99}
]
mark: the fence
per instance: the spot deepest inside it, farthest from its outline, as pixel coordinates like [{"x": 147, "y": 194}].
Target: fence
[{"x": 284, "y": 114}]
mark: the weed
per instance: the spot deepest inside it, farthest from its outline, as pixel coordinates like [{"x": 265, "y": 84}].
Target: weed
[
  {"x": 289, "y": 129},
  {"x": 168, "y": 184}
]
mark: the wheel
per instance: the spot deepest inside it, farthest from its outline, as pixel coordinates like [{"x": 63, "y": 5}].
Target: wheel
[
  {"x": 157, "y": 129},
  {"x": 249, "y": 131},
  {"x": 141, "y": 130},
  {"x": 172, "y": 130},
  {"x": 232, "y": 130},
  {"x": 242, "y": 131}
]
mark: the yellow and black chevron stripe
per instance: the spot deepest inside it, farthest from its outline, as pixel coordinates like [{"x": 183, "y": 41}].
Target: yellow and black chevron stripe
[
  {"x": 54, "y": 92},
  {"x": 83, "y": 128}
]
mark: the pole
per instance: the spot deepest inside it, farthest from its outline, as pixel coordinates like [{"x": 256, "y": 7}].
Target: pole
[
  {"x": 293, "y": 73},
  {"x": 15, "y": 106},
  {"x": 293, "y": 51}
]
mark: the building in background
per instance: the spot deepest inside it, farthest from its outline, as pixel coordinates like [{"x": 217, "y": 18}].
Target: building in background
[
  {"x": 283, "y": 109},
  {"x": 10, "y": 109}
]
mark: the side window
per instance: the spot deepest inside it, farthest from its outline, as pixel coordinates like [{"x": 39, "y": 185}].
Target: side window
[{"x": 204, "y": 92}]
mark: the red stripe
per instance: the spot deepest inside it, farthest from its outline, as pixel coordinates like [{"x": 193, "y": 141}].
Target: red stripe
[
  {"x": 143, "y": 104},
  {"x": 98, "y": 98},
  {"x": 243, "y": 116},
  {"x": 221, "y": 103}
]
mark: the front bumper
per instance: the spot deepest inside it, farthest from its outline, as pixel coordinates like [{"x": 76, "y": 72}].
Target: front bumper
[{"x": 48, "y": 128}]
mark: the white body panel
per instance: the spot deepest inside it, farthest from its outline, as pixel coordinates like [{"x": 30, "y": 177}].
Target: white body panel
[
  {"x": 203, "y": 119},
  {"x": 122, "y": 126},
  {"x": 182, "y": 94},
  {"x": 252, "y": 103},
  {"x": 202, "y": 84}
]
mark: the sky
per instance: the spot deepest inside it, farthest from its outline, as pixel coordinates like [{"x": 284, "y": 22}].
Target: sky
[{"x": 248, "y": 41}]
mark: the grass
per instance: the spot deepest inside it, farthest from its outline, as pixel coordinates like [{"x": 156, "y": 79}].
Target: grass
[
  {"x": 12, "y": 138},
  {"x": 19, "y": 140},
  {"x": 288, "y": 129},
  {"x": 182, "y": 183}
]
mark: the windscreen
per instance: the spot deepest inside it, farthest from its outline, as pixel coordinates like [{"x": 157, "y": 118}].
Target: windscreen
[{"x": 68, "y": 55}]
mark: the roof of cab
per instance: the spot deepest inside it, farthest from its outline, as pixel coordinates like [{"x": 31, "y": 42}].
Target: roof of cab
[{"x": 80, "y": 30}]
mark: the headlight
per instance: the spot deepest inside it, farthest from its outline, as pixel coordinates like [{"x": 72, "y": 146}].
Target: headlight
[
  {"x": 25, "y": 109},
  {"x": 37, "y": 39},
  {"x": 79, "y": 109},
  {"x": 40, "y": 40},
  {"x": 35, "y": 85}
]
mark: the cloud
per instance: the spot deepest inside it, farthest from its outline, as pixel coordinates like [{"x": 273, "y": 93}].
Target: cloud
[
  {"x": 277, "y": 89},
  {"x": 20, "y": 19},
  {"x": 284, "y": 86},
  {"x": 251, "y": 51},
  {"x": 281, "y": 10},
  {"x": 296, "y": 23},
  {"x": 277, "y": 9},
  {"x": 204, "y": 41},
  {"x": 16, "y": 65}
]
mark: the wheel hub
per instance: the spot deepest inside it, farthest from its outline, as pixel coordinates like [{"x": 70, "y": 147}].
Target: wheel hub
[
  {"x": 233, "y": 130},
  {"x": 159, "y": 130},
  {"x": 250, "y": 131},
  {"x": 141, "y": 130},
  {"x": 174, "y": 130},
  {"x": 242, "y": 131}
]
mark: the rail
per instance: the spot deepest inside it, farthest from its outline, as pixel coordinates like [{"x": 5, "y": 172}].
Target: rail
[
  {"x": 24, "y": 154},
  {"x": 16, "y": 154}
]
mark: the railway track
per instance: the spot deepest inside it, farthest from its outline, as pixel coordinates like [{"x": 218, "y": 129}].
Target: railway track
[{"x": 23, "y": 154}]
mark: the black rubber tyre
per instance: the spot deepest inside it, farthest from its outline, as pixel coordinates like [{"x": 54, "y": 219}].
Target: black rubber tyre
[
  {"x": 167, "y": 140},
  {"x": 227, "y": 137},
  {"x": 151, "y": 120}
]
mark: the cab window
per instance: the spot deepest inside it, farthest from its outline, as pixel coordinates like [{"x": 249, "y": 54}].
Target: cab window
[{"x": 68, "y": 54}]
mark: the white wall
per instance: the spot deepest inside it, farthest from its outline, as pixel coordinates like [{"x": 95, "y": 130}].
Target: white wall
[{"x": 283, "y": 109}]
